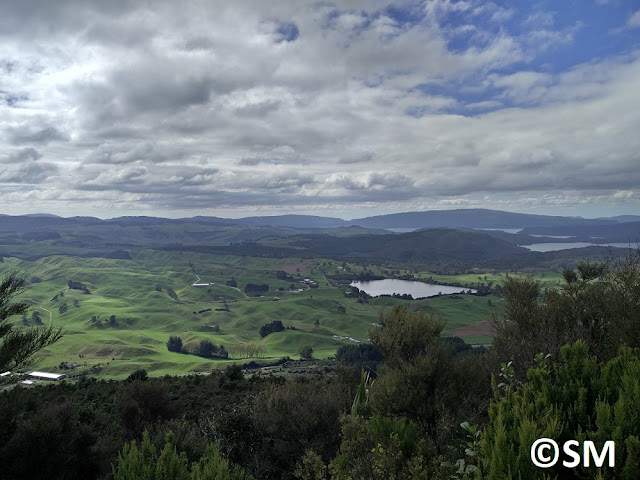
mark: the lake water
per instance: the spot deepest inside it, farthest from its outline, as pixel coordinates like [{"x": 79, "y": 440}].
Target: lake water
[
  {"x": 505, "y": 230},
  {"x": 552, "y": 247},
  {"x": 402, "y": 230},
  {"x": 390, "y": 286},
  {"x": 553, "y": 236}
]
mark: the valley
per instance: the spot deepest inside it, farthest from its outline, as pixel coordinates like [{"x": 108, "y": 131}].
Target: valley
[
  {"x": 134, "y": 292},
  {"x": 121, "y": 288}
]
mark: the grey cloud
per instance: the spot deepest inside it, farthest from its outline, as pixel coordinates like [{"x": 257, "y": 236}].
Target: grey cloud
[
  {"x": 249, "y": 162},
  {"x": 40, "y": 17},
  {"x": 28, "y": 172},
  {"x": 117, "y": 32},
  {"x": 189, "y": 176},
  {"x": 118, "y": 177},
  {"x": 175, "y": 181},
  {"x": 159, "y": 89},
  {"x": 369, "y": 185},
  {"x": 260, "y": 109},
  {"x": 125, "y": 152},
  {"x": 42, "y": 136},
  {"x": 198, "y": 43},
  {"x": 25, "y": 154},
  {"x": 387, "y": 180},
  {"x": 13, "y": 99},
  {"x": 349, "y": 159}
]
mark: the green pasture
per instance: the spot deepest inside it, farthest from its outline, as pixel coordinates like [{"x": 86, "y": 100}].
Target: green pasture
[
  {"x": 547, "y": 279},
  {"x": 135, "y": 292}
]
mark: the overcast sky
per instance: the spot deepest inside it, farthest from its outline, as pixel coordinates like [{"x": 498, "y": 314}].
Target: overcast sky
[{"x": 345, "y": 109}]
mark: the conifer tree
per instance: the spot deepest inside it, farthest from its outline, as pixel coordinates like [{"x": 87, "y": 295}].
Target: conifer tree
[{"x": 18, "y": 346}]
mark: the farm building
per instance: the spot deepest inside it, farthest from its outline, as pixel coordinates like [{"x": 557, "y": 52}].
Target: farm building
[{"x": 47, "y": 376}]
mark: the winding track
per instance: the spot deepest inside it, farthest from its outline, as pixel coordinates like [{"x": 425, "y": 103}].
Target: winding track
[{"x": 225, "y": 286}]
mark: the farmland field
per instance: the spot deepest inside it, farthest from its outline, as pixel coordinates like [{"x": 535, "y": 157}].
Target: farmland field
[{"x": 128, "y": 316}]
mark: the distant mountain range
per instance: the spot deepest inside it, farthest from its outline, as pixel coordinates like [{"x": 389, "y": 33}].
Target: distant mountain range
[
  {"x": 461, "y": 218},
  {"x": 473, "y": 218},
  {"x": 444, "y": 241}
]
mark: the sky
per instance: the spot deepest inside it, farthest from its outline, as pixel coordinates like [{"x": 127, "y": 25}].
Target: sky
[{"x": 345, "y": 109}]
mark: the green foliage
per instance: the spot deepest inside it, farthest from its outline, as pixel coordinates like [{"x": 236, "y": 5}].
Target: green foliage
[
  {"x": 598, "y": 304},
  {"x": 174, "y": 344},
  {"x": 137, "y": 463},
  {"x": 282, "y": 275},
  {"x": 404, "y": 335},
  {"x": 425, "y": 380},
  {"x": 212, "y": 466},
  {"x": 423, "y": 388},
  {"x": 247, "y": 350},
  {"x": 299, "y": 416},
  {"x": 361, "y": 401},
  {"x": 271, "y": 327},
  {"x": 171, "y": 292},
  {"x": 143, "y": 463},
  {"x": 256, "y": 288},
  {"x": 207, "y": 349},
  {"x": 49, "y": 442},
  {"x": 62, "y": 308},
  {"x": 18, "y": 347},
  {"x": 362, "y": 356},
  {"x": 234, "y": 372},
  {"x": 465, "y": 468},
  {"x": 78, "y": 286},
  {"x": 311, "y": 467},
  {"x": 579, "y": 398},
  {"x": 139, "y": 374},
  {"x": 306, "y": 352},
  {"x": 380, "y": 448}
]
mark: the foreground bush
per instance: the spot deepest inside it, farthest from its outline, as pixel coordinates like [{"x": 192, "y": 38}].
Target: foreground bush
[
  {"x": 576, "y": 399},
  {"x": 143, "y": 463}
]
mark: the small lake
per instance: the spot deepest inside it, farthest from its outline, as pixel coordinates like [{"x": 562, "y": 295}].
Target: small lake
[
  {"x": 552, "y": 247},
  {"x": 390, "y": 286},
  {"x": 505, "y": 230},
  {"x": 552, "y": 236},
  {"x": 401, "y": 230}
]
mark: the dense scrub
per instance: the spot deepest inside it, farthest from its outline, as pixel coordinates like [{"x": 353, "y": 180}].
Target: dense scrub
[{"x": 77, "y": 430}]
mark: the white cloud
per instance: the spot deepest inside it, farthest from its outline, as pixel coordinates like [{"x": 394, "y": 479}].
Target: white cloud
[
  {"x": 634, "y": 20},
  {"x": 205, "y": 104}
]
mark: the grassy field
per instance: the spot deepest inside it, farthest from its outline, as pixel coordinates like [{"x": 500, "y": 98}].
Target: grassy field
[{"x": 135, "y": 292}]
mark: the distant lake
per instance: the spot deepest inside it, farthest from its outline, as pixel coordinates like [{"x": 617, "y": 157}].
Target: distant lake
[
  {"x": 553, "y": 236},
  {"x": 552, "y": 247},
  {"x": 401, "y": 230},
  {"x": 505, "y": 230},
  {"x": 390, "y": 286}
]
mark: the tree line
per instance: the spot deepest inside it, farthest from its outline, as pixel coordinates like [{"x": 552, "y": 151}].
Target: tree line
[
  {"x": 78, "y": 286},
  {"x": 205, "y": 348}
]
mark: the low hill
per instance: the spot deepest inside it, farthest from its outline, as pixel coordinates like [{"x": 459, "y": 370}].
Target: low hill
[
  {"x": 294, "y": 221},
  {"x": 420, "y": 246},
  {"x": 472, "y": 218},
  {"x": 618, "y": 232}
]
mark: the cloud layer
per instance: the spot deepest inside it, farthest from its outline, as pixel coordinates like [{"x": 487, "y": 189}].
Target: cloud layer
[{"x": 176, "y": 109}]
